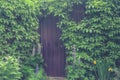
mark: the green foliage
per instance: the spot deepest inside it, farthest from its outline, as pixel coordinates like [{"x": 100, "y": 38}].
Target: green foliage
[
  {"x": 117, "y": 73},
  {"x": 103, "y": 70},
  {"x": 18, "y": 26},
  {"x": 94, "y": 37},
  {"x": 9, "y": 68},
  {"x": 38, "y": 76},
  {"x": 18, "y": 31},
  {"x": 33, "y": 68}
]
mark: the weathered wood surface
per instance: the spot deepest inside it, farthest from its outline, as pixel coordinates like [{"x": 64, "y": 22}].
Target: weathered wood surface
[{"x": 52, "y": 47}]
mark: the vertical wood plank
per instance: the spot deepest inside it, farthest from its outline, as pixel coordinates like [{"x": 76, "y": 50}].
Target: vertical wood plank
[{"x": 54, "y": 55}]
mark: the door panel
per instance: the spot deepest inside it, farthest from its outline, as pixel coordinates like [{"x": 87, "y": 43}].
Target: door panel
[{"x": 52, "y": 47}]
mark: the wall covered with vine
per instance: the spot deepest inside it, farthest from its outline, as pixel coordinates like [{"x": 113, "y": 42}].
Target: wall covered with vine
[
  {"x": 19, "y": 38},
  {"x": 94, "y": 39}
]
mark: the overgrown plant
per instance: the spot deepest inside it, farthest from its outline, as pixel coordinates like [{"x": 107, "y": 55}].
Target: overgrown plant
[
  {"x": 9, "y": 68},
  {"x": 102, "y": 69},
  {"x": 38, "y": 76},
  {"x": 18, "y": 31},
  {"x": 33, "y": 68},
  {"x": 117, "y": 73},
  {"x": 97, "y": 34}
]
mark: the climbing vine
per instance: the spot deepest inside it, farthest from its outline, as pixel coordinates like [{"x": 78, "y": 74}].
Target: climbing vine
[
  {"x": 94, "y": 38},
  {"x": 18, "y": 35}
]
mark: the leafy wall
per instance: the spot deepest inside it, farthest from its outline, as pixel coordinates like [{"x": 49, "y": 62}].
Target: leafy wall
[
  {"x": 95, "y": 37},
  {"x": 18, "y": 35}
]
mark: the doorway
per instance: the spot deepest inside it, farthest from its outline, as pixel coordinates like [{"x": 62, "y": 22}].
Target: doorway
[{"x": 53, "y": 50}]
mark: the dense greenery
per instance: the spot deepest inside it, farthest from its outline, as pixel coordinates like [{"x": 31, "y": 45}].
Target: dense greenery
[
  {"x": 18, "y": 34},
  {"x": 94, "y": 38},
  {"x": 9, "y": 68}
]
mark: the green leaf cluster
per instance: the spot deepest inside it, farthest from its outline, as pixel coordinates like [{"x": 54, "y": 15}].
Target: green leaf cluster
[
  {"x": 9, "y": 68},
  {"x": 18, "y": 33},
  {"x": 97, "y": 36},
  {"x": 103, "y": 70}
]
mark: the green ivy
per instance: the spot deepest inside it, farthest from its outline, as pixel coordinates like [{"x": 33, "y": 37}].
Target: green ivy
[
  {"x": 18, "y": 31},
  {"x": 9, "y": 68},
  {"x": 96, "y": 36}
]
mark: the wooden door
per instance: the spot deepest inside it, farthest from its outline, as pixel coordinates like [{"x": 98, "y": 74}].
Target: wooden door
[{"x": 52, "y": 47}]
